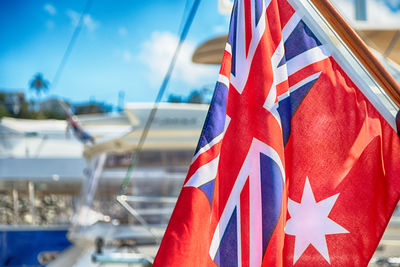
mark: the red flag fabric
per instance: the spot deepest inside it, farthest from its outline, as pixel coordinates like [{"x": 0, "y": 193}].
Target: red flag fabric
[{"x": 295, "y": 166}]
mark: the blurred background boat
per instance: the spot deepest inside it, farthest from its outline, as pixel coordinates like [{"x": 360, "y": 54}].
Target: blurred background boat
[{"x": 47, "y": 175}]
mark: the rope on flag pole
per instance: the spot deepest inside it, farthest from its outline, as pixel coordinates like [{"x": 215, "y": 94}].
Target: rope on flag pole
[{"x": 71, "y": 43}]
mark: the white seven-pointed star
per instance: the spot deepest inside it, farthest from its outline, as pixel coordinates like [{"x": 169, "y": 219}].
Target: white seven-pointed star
[{"x": 309, "y": 223}]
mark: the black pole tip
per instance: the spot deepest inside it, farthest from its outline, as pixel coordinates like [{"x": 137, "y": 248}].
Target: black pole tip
[{"x": 398, "y": 123}]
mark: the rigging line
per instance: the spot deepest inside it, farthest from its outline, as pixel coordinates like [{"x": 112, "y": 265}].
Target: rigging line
[
  {"x": 184, "y": 13},
  {"x": 67, "y": 53},
  {"x": 71, "y": 44},
  {"x": 161, "y": 91}
]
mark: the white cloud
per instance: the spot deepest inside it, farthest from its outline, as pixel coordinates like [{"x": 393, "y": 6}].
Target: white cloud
[
  {"x": 122, "y": 31},
  {"x": 88, "y": 20},
  {"x": 50, "y": 24},
  {"x": 346, "y": 8},
  {"x": 49, "y": 8},
  {"x": 127, "y": 55},
  {"x": 123, "y": 54},
  {"x": 220, "y": 29},
  {"x": 223, "y": 27},
  {"x": 73, "y": 16},
  {"x": 378, "y": 12},
  {"x": 156, "y": 53},
  {"x": 90, "y": 23}
]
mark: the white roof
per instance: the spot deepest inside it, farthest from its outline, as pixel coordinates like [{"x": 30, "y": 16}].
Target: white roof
[
  {"x": 26, "y": 126},
  {"x": 167, "y": 105},
  {"x": 176, "y": 125}
]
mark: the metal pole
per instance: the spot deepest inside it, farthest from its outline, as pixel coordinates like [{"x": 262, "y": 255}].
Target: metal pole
[
  {"x": 122, "y": 200},
  {"x": 16, "y": 207},
  {"x": 31, "y": 191}
]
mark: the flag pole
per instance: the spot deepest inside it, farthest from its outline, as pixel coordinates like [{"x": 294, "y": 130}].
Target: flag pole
[{"x": 359, "y": 49}]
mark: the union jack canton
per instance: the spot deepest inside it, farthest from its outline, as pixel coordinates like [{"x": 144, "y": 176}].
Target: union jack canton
[{"x": 271, "y": 60}]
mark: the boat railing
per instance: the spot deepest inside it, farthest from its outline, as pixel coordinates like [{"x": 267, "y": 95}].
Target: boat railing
[{"x": 142, "y": 215}]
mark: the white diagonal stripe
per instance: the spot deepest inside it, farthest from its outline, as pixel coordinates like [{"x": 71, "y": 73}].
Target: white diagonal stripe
[
  {"x": 204, "y": 174},
  {"x": 208, "y": 146},
  {"x": 228, "y": 48},
  {"x": 224, "y": 80},
  {"x": 290, "y": 26},
  {"x": 300, "y": 84},
  {"x": 213, "y": 142},
  {"x": 306, "y": 58},
  {"x": 242, "y": 62}
]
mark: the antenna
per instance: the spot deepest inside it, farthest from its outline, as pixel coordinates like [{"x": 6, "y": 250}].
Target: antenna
[
  {"x": 361, "y": 10},
  {"x": 121, "y": 101}
]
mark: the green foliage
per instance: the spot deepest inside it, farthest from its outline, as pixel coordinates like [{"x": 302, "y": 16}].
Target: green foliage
[
  {"x": 92, "y": 108},
  {"x": 174, "y": 98},
  {"x": 48, "y": 109},
  {"x": 14, "y": 104},
  {"x": 39, "y": 84},
  {"x": 197, "y": 96},
  {"x": 4, "y": 112},
  {"x": 27, "y": 111}
]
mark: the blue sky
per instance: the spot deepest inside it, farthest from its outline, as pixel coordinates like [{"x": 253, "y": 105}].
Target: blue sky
[{"x": 124, "y": 45}]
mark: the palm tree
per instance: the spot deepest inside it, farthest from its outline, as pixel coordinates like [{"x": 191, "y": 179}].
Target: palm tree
[{"x": 39, "y": 84}]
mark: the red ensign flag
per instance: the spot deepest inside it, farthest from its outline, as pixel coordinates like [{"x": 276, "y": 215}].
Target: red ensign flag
[{"x": 295, "y": 166}]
